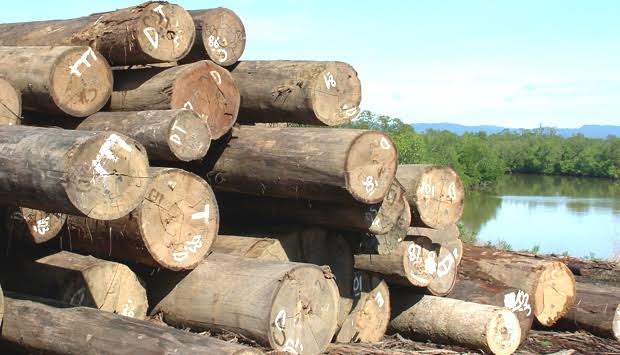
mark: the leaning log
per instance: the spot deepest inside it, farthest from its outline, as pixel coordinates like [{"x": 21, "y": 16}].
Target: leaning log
[
  {"x": 152, "y": 32},
  {"x": 550, "y": 283},
  {"x": 173, "y": 227},
  {"x": 74, "y": 81},
  {"x": 596, "y": 309},
  {"x": 307, "y": 163},
  {"x": 169, "y": 135},
  {"x": 493, "y": 329},
  {"x": 204, "y": 87},
  {"x": 220, "y": 36},
  {"x": 102, "y": 175},
  {"x": 435, "y": 194},
  {"x": 33, "y": 226},
  {"x": 305, "y": 92},
  {"x": 42, "y": 325},
  {"x": 286, "y": 306},
  {"x": 10, "y": 104}
]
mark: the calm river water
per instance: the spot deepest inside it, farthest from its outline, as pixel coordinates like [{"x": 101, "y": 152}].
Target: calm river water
[{"x": 580, "y": 216}]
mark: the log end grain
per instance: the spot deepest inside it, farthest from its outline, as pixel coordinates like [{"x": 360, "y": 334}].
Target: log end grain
[
  {"x": 304, "y": 315},
  {"x": 370, "y": 167},
  {"x": 80, "y": 81},
  {"x": 390, "y": 214},
  {"x": 503, "y": 333},
  {"x": 222, "y": 33},
  {"x": 439, "y": 197},
  {"x": 10, "y": 104},
  {"x": 189, "y": 137},
  {"x": 179, "y": 218},
  {"x": 554, "y": 293},
  {"x": 336, "y": 94},
  {"x": 420, "y": 260},
  {"x": 446, "y": 274},
  {"x": 109, "y": 177},
  {"x": 41, "y": 226}
]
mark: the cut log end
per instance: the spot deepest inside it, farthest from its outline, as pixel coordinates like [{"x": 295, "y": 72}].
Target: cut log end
[
  {"x": 223, "y": 35},
  {"x": 179, "y": 218},
  {"x": 10, "y": 104},
  {"x": 370, "y": 167},
  {"x": 109, "y": 178},
  {"x": 420, "y": 260},
  {"x": 503, "y": 333},
  {"x": 189, "y": 138},
  {"x": 166, "y": 33},
  {"x": 81, "y": 81},
  {"x": 615, "y": 327},
  {"x": 554, "y": 293},
  {"x": 304, "y": 314},
  {"x": 337, "y": 94},
  {"x": 440, "y": 197},
  {"x": 445, "y": 277},
  {"x": 42, "y": 226}
]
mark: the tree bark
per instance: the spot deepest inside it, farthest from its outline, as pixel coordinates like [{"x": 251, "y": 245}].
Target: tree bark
[
  {"x": 101, "y": 175},
  {"x": 305, "y": 92},
  {"x": 204, "y": 87},
  {"x": 287, "y": 306},
  {"x": 10, "y": 104},
  {"x": 34, "y": 226},
  {"x": 550, "y": 283},
  {"x": 172, "y": 135},
  {"x": 80, "y": 281},
  {"x": 596, "y": 309},
  {"x": 493, "y": 329},
  {"x": 435, "y": 194},
  {"x": 174, "y": 227},
  {"x": 47, "y": 326},
  {"x": 220, "y": 36},
  {"x": 152, "y": 32},
  {"x": 74, "y": 81},
  {"x": 307, "y": 163}
]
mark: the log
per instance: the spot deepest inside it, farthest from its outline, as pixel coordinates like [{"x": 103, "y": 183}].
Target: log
[
  {"x": 250, "y": 247},
  {"x": 65, "y": 80},
  {"x": 169, "y": 135},
  {"x": 174, "y": 227},
  {"x": 286, "y": 306},
  {"x": 204, "y": 87},
  {"x": 387, "y": 243},
  {"x": 152, "y": 32},
  {"x": 493, "y": 329},
  {"x": 446, "y": 273},
  {"x": 307, "y": 163},
  {"x": 10, "y": 104},
  {"x": 98, "y": 174},
  {"x": 550, "y": 283},
  {"x": 446, "y": 234},
  {"x": 47, "y": 326},
  {"x": 435, "y": 194},
  {"x": 220, "y": 36},
  {"x": 304, "y": 92},
  {"x": 596, "y": 309},
  {"x": 516, "y": 300},
  {"x": 33, "y": 226},
  {"x": 80, "y": 280}
]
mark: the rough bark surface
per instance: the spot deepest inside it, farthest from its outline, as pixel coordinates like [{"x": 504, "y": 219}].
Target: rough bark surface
[
  {"x": 34, "y": 226},
  {"x": 250, "y": 247},
  {"x": 10, "y": 104}
]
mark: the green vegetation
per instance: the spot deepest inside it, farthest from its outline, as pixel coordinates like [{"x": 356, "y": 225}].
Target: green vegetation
[{"x": 481, "y": 159}]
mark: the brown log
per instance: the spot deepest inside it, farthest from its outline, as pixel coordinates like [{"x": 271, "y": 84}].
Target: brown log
[
  {"x": 173, "y": 135},
  {"x": 74, "y": 81},
  {"x": 596, "y": 309},
  {"x": 80, "y": 281},
  {"x": 286, "y": 306},
  {"x": 10, "y": 104},
  {"x": 516, "y": 300},
  {"x": 102, "y": 175},
  {"x": 550, "y": 283},
  {"x": 46, "y": 326},
  {"x": 220, "y": 36},
  {"x": 493, "y": 329},
  {"x": 204, "y": 87},
  {"x": 172, "y": 228},
  {"x": 446, "y": 234},
  {"x": 387, "y": 243},
  {"x": 152, "y": 32},
  {"x": 307, "y": 163},
  {"x": 435, "y": 194},
  {"x": 305, "y": 92},
  {"x": 34, "y": 226}
]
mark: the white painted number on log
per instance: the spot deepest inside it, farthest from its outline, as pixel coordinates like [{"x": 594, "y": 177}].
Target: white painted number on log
[
  {"x": 518, "y": 302},
  {"x": 452, "y": 191},
  {"x": 430, "y": 263},
  {"x": 42, "y": 226},
  {"x": 214, "y": 42},
  {"x": 428, "y": 190},
  {"x": 414, "y": 251},
  {"x": 330, "y": 82},
  {"x": 83, "y": 60},
  {"x": 203, "y": 214},
  {"x": 293, "y": 346},
  {"x": 152, "y": 35},
  {"x": 105, "y": 152},
  {"x": 445, "y": 265},
  {"x": 188, "y": 106},
  {"x": 384, "y": 143},
  {"x": 159, "y": 10},
  {"x": 216, "y": 76},
  {"x": 357, "y": 285},
  {"x": 370, "y": 184},
  {"x": 190, "y": 246},
  {"x": 128, "y": 309},
  {"x": 379, "y": 299},
  {"x": 175, "y": 138},
  {"x": 280, "y": 321}
]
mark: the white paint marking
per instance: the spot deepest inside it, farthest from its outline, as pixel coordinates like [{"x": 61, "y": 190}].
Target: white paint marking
[
  {"x": 280, "y": 321},
  {"x": 214, "y": 42},
  {"x": 203, "y": 214},
  {"x": 174, "y": 138},
  {"x": 217, "y": 77},
  {"x": 445, "y": 265},
  {"x": 379, "y": 299},
  {"x": 83, "y": 60},
  {"x": 430, "y": 263},
  {"x": 452, "y": 192},
  {"x": 188, "y": 106},
  {"x": 152, "y": 35},
  {"x": 159, "y": 9},
  {"x": 384, "y": 143},
  {"x": 294, "y": 347},
  {"x": 179, "y": 256},
  {"x": 193, "y": 245},
  {"x": 414, "y": 252},
  {"x": 519, "y": 302},
  {"x": 351, "y": 111},
  {"x": 330, "y": 82},
  {"x": 428, "y": 190},
  {"x": 370, "y": 184},
  {"x": 105, "y": 152},
  {"x": 223, "y": 55},
  {"x": 357, "y": 285},
  {"x": 42, "y": 226},
  {"x": 128, "y": 309}
]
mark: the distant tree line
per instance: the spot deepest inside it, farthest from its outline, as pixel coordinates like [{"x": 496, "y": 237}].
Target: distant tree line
[{"x": 481, "y": 159}]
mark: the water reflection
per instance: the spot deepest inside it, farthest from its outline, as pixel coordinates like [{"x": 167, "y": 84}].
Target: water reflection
[{"x": 577, "y": 215}]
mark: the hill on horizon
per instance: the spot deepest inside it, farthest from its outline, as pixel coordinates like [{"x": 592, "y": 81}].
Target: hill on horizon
[{"x": 590, "y": 131}]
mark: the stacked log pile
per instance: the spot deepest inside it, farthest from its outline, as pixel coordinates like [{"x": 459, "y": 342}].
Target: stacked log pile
[{"x": 138, "y": 180}]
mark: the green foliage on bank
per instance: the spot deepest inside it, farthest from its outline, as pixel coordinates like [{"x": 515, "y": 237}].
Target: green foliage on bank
[{"x": 481, "y": 159}]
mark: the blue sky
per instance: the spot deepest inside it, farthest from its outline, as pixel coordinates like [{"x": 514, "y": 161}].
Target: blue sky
[{"x": 509, "y": 63}]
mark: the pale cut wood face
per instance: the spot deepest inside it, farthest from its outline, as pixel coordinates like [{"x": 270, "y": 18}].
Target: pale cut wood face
[
  {"x": 503, "y": 333},
  {"x": 554, "y": 293},
  {"x": 10, "y": 104},
  {"x": 223, "y": 35},
  {"x": 336, "y": 94},
  {"x": 42, "y": 226}
]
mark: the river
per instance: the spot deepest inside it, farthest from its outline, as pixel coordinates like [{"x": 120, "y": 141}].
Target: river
[{"x": 578, "y": 216}]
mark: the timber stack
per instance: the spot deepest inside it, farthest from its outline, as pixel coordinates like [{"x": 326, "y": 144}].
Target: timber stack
[{"x": 148, "y": 173}]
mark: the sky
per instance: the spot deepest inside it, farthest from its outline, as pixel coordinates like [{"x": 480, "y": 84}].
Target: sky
[{"x": 516, "y": 64}]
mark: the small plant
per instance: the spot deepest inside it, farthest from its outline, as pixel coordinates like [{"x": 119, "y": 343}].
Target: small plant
[
  {"x": 466, "y": 235},
  {"x": 535, "y": 249},
  {"x": 503, "y": 245}
]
